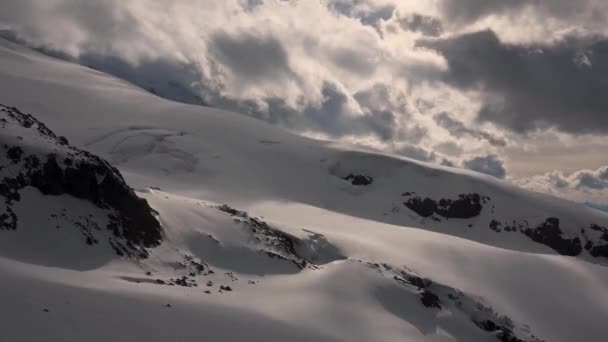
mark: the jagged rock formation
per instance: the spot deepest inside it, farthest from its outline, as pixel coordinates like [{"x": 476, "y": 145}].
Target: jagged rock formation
[
  {"x": 436, "y": 296},
  {"x": 359, "y": 179},
  {"x": 309, "y": 252},
  {"x": 35, "y": 157},
  {"x": 548, "y": 233},
  {"x": 465, "y": 206}
]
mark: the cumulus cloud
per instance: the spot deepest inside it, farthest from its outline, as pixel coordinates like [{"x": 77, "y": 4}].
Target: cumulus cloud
[
  {"x": 490, "y": 165},
  {"x": 367, "y": 12},
  {"x": 591, "y": 179},
  {"x": 458, "y": 129},
  {"x": 251, "y": 57},
  {"x": 426, "y": 25},
  {"x": 582, "y": 186},
  {"x": 472, "y": 10},
  {"x": 521, "y": 87},
  {"x": 554, "y": 14},
  {"x": 334, "y": 116}
]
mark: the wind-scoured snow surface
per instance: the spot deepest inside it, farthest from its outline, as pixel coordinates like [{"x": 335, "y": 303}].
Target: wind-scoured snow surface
[{"x": 268, "y": 236}]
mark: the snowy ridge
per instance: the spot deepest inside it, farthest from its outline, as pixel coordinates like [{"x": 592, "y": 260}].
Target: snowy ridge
[{"x": 268, "y": 236}]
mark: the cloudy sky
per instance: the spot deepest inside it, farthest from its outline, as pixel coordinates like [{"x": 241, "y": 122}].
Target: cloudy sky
[{"x": 514, "y": 88}]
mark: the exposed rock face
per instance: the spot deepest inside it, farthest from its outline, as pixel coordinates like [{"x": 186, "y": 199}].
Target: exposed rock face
[
  {"x": 436, "y": 296},
  {"x": 46, "y": 162},
  {"x": 308, "y": 252},
  {"x": 600, "y": 247},
  {"x": 548, "y": 233},
  {"x": 430, "y": 300},
  {"x": 359, "y": 179},
  {"x": 465, "y": 206}
]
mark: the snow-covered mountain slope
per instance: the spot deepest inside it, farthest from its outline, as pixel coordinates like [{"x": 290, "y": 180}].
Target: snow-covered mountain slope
[{"x": 326, "y": 242}]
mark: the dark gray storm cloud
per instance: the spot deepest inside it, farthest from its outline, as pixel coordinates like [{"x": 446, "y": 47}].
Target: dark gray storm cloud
[
  {"x": 250, "y": 5},
  {"x": 490, "y": 165},
  {"x": 352, "y": 61},
  {"x": 166, "y": 78},
  {"x": 368, "y": 15},
  {"x": 587, "y": 179},
  {"x": 418, "y": 153},
  {"x": 563, "y": 85},
  {"x": 332, "y": 116},
  {"x": 458, "y": 129},
  {"x": 251, "y": 57},
  {"x": 426, "y": 25},
  {"x": 471, "y": 10},
  {"x": 586, "y": 12}
]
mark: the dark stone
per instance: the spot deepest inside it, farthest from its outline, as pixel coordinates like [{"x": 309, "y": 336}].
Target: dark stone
[
  {"x": 227, "y": 209},
  {"x": 487, "y": 325},
  {"x": 601, "y": 229},
  {"x": 359, "y": 179},
  {"x": 430, "y": 300},
  {"x": 598, "y": 251},
  {"x": 465, "y": 206},
  {"x": 8, "y": 220},
  {"x": 549, "y": 233},
  {"x": 507, "y": 336},
  {"x": 417, "y": 281},
  {"x": 495, "y": 225},
  {"x": 423, "y": 207},
  {"x": 32, "y": 162},
  {"x": 14, "y": 154}
]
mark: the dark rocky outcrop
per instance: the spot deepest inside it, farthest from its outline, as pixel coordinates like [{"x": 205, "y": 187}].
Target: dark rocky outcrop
[
  {"x": 502, "y": 333},
  {"x": 434, "y": 296},
  {"x": 359, "y": 180},
  {"x": 308, "y": 252},
  {"x": 423, "y": 207},
  {"x": 599, "y": 248},
  {"x": 599, "y": 251},
  {"x": 465, "y": 206},
  {"x": 430, "y": 300},
  {"x": 487, "y": 325},
  {"x": 549, "y": 233},
  {"x": 602, "y": 230},
  {"x": 79, "y": 174},
  {"x": 495, "y": 226}
]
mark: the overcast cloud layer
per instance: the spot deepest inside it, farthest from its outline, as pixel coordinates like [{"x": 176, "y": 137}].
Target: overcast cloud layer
[{"x": 515, "y": 88}]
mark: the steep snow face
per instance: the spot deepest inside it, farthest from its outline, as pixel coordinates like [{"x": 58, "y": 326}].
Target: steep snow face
[{"x": 267, "y": 235}]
